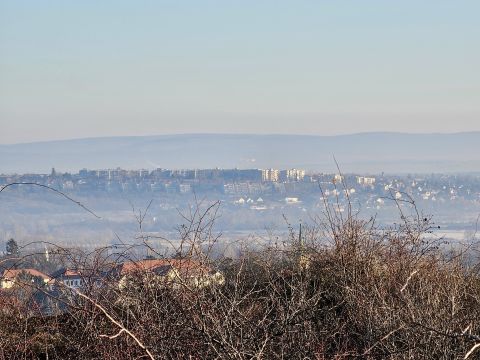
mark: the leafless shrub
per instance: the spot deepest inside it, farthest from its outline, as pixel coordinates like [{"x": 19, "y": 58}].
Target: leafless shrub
[{"x": 340, "y": 287}]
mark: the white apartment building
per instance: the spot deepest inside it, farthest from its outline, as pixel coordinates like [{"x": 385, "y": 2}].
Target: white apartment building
[
  {"x": 270, "y": 175},
  {"x": 295, "y": 175},
  {"x": 363, "y": 180}
]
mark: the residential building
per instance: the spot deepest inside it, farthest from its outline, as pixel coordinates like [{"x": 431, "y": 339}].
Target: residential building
[
  {"x": 295, "y": 175},
  {"x": 13, "y": 277},
  {"x": 70, "y": 278},
  {"x": 363, "y": 180},
  {"x": 270, "y": 175},
  {"x": 170, "y": 271}
]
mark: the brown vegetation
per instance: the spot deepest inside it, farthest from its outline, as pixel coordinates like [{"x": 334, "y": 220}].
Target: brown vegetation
[{"x": 341, "y": 288}]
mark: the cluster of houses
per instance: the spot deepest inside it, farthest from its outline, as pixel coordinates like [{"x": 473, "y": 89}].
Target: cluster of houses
[
  {"x": 232, "y": 185},
  {"x": 186, "y": 181},
  {"x": 178, "y": 272}
]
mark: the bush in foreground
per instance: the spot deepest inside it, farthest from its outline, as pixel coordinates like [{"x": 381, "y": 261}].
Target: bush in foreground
[{"x": 342, "y": 288}]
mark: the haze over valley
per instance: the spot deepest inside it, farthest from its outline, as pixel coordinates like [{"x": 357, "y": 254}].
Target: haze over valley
[{"x": 360, "y": 153}]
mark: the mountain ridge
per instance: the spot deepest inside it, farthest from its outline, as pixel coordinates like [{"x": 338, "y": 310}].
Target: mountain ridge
[
  {"x": 400, "y": 133},
  {"x": 371, "y": 152}
]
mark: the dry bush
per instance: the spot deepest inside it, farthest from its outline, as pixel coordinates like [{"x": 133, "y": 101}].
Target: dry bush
[{"x": 341, "y": 288}]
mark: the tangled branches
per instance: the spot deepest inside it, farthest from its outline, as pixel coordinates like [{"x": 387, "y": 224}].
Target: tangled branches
[{"x": 342, "y": 288}]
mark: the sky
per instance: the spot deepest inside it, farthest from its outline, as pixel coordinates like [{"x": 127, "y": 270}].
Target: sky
[{"x": 74, "y": 69}]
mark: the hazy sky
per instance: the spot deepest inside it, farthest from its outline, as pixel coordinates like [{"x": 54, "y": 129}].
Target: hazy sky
[{"x": 96, "y": 68}]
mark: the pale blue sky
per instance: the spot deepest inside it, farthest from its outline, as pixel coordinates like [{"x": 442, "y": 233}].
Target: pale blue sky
[{"x": 97, "y": 68}]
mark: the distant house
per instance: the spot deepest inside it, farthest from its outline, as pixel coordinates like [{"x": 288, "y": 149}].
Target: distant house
[
  {"x": 364, "y": 180},
  {"x": 171, "y": 271},
  {"x": 185, "y": 188},
  {"x": 338, "y": 178},
  {"x": 82, "y": 279},
  {"x": 13, "y": 277},
  {"x": 291, "y": 200},
  {"x": 69, "y": 277}
]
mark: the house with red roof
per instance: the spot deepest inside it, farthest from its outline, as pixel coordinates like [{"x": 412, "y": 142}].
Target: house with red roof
[
  {"x": 14, "y": 277},
  {"x": 188, "y": 272}
]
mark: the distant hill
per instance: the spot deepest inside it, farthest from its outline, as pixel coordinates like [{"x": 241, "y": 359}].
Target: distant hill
[{"x": 366, "y": 152}]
